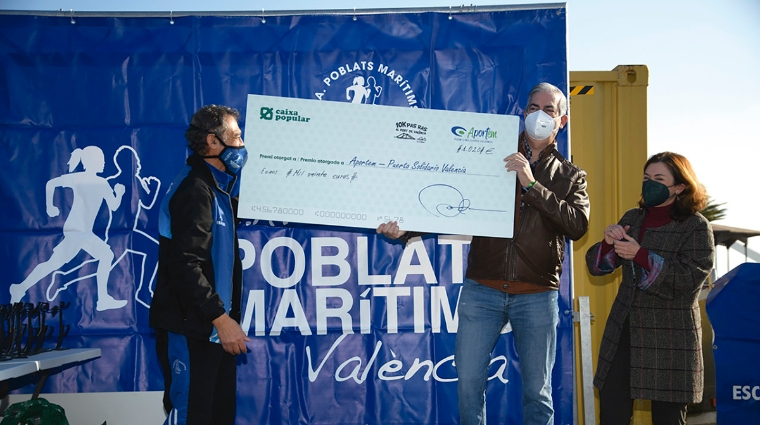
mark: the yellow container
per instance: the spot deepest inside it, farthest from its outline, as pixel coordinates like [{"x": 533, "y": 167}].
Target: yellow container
[{"x": 608, "y": 139}]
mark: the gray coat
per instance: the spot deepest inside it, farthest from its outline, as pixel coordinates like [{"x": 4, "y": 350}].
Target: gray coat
[{"x": 662, "y": 308}]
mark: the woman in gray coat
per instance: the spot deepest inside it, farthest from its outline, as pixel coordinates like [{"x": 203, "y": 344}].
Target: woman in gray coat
[{"x": 652, "y": 343}]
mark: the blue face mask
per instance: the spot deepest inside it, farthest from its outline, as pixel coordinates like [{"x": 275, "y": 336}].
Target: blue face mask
[{"x": 233, "y": 157}]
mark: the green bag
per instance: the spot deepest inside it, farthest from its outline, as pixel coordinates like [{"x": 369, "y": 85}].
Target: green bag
[{"x": 36, "y": 411}]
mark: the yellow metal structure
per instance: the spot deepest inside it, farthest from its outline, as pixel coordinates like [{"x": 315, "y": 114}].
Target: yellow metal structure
[{"x": 608, "y": 138}]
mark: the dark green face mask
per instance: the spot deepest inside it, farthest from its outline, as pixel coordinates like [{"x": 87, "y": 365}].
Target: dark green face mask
[{"x": 654, "y": 193}]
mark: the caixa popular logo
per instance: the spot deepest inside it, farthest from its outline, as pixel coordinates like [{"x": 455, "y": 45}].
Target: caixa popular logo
[
  {"x": 267, "y": 113},
  {"x": 367, "y": 82},
  {"x": 473, "y": 133}
]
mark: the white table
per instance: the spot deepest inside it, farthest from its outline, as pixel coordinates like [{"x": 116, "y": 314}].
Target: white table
[
  {"x": 14, "y": 370},
  {"x": 55, "y": 358},
  {"x": 44, "y": 362}
]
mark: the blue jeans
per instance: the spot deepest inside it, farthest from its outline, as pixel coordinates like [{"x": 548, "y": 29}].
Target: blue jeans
[{"x": 483, "y": 312}]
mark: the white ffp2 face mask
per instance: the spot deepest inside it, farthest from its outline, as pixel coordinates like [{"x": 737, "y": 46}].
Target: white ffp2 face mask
[{"x": 539, "y": 125}]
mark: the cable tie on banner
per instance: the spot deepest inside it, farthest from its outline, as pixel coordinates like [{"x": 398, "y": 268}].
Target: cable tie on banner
[
  {"x": 450, "y": 18},
  {"x": 354, "y": 14},
  {"x": 263, "y": 18},
  {"x": 71, "y": 11},
  {"x": 171, "y": 17}
]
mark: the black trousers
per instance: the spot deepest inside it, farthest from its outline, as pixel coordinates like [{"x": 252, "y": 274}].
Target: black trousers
[
  {"x": 615, "y": 402},
  {"x": 210, "y": 397}
]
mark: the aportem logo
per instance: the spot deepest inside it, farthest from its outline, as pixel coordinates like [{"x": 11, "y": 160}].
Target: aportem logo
[{"x": 474, "y": 133}]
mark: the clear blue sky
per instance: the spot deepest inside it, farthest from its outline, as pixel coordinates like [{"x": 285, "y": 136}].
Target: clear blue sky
[{"x": 703, "y": 58}]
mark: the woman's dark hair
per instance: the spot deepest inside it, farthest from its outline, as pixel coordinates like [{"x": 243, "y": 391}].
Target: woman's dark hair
[
  {"x": 208, "y": 119},
  {"x": 694, "y": 196}
]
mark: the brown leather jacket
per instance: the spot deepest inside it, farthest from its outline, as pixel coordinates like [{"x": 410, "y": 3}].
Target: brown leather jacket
[{"x": 556, "y": 207}]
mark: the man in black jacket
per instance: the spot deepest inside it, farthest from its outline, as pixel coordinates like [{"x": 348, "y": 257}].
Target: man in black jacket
[
  {"x": 196, "y": 304},
  {"x": 516, "y": 280}
]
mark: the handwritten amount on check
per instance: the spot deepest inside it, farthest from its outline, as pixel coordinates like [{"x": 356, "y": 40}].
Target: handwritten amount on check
[{"x": 362, "y": 163}]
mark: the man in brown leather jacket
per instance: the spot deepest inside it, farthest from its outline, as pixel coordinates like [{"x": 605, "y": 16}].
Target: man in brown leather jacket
[{"x": 517, "y": 280}]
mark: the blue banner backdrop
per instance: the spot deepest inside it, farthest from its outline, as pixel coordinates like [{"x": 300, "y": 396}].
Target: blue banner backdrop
[
  {"x": 731, "y": 307},
  {"x": 346, "y": 327}
]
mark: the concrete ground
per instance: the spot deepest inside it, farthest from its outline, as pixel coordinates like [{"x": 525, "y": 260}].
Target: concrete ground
[{"x": 707, "y": 418}]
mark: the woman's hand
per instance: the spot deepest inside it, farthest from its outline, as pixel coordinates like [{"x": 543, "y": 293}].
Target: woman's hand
[
  {"x": 626, "y": 248},
  {"x": 615, "y": 232}
]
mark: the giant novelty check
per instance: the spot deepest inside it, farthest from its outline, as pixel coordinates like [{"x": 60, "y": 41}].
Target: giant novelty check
[{"x": 356, "y": 165}]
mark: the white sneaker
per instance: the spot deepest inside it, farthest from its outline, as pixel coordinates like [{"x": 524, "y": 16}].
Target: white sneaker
[
  {"x": 109, "y": 303},
  {"x": 17, "y": 292}
]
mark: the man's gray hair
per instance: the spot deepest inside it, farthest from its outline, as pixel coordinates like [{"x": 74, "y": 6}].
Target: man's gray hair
[{"x": 550, "y": 88}]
